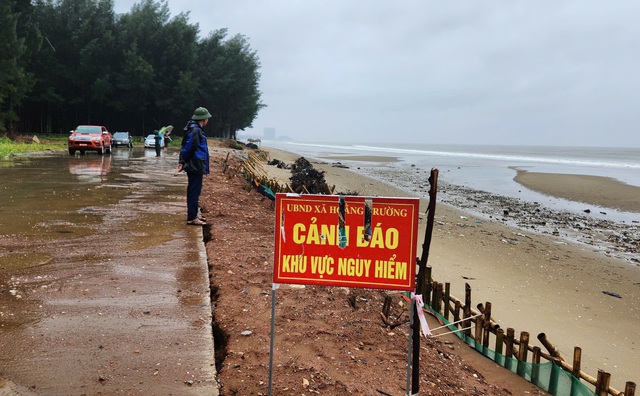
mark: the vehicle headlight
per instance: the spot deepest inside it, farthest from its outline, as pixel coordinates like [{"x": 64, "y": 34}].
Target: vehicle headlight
[{"x": 95, "y": 138}]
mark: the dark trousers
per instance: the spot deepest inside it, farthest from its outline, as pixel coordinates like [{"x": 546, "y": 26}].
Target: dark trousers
[
  {"x": 194, "y": 188},
  {"x": 158, "y": 148}
]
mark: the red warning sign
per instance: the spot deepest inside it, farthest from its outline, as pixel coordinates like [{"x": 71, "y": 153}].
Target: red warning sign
[{"x": 347, "y": 241}]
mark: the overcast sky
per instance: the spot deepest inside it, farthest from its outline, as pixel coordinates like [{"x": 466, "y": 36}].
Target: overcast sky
[{"x": 550, "y": 72}]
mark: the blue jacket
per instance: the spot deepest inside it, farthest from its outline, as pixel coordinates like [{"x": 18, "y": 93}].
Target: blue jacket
[{"x": 194, "y": 154}]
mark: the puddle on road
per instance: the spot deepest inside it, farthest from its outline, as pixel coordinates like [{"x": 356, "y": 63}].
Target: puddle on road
[
  {"x": 56, "y": 200},
  {"x": 152, "y": 229},
  {"x": 50, "y": 190},
  {"x": 24, "y": 260}
]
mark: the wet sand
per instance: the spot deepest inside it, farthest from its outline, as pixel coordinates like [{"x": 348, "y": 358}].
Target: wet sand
[
  {"x": 366, "y": 158},
  {"x": 594, "y": 190},
  {"x": 536, "y": 282}
]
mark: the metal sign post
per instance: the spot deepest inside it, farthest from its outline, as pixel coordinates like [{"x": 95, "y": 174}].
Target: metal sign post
[{"x": 273, "y": 333}]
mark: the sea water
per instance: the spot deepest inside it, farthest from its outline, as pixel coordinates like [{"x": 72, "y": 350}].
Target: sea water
[{"x": 493, "y": 168}]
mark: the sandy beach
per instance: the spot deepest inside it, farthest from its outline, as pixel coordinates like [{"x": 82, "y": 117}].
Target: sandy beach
[
  {"x": 594, "y": 190},
  {"x": 580, "y": 294}
]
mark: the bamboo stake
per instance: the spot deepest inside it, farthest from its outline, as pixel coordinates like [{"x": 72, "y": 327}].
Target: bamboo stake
[
  {"x": 522, "y": 352},
  {"x": 426, "y": 289},
  {"x": 434, "y": 294},
  {"x": 438, "y": 297},
  {"x": 630, "y": 389},
  {"x": 535, "y": 369},
  {"x": 499, "y": 344},
  {"x": 386, "y": 306},
  {"x": 550, "y": 347},
  {"x": 577, "y": 354},
  {"x": 467, "y": 306},
  {"x": 509, "y": 342},
  {"x": 602, "y": 383},
  {"x": 478, "y": 335},
  {"x": 447, "y": 295},
  {"x": 486, "y": 323},
  {"x": 456, "y": 312},
  {"x": 493, "y": 325}
]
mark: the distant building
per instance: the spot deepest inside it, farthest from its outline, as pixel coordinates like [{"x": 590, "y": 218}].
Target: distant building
[{"x": 269, "y": 134}]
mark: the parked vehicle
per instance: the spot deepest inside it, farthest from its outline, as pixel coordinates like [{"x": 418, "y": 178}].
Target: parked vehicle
[
  {"x": 150, "y": 141},
  {"x": 122, "y": 139},
  {"x": 90, "y": 137}
]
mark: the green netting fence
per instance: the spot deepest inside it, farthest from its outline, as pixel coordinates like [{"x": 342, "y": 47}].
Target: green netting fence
[{"x": 548, "y": 376}]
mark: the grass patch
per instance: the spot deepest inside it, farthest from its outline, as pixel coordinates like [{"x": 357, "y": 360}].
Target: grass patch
[{"x": 26, "y": 145}]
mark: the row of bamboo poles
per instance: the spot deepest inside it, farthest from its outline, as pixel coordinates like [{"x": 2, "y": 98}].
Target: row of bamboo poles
[
  {"x": 438, "y": 297},
  {"x": 252, "y": 167}
]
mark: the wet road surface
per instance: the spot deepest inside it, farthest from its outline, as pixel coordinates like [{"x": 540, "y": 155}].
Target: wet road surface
[{"x": 103, "y": 288}]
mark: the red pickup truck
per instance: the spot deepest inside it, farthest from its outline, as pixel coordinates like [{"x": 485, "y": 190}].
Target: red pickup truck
[{"x": 90, "y": 137}]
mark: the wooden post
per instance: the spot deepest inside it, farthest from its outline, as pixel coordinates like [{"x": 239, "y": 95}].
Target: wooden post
[
  {"x": 602, "y": 383},
  {"x": 386, "y": 307},
  {"x": 508, "y": 344},
  {"x": 553, "y": 351},
  {"x": 577, "y": 356},
  {"x": 524, "y": 346},
  {"x": 499, "y": 343},
  {"x": 630, "y": 389},
  {"x": 456, "y": 313},
  {"x": 535, "y": 368},
  {"x": 467, "y": 309},
  {"x": 422, "y": 272},
  {"x": 522, "y": 353},
  {"x": 486, "y": 325},
  {"x": 493, "y": 326},
  {"x": 478, "y": 334},
  {"x": 438, "y": 298},
  {"x": 434, "y": 294},
  {"x": 426, "y": 293},
  {"x": 508, "y": 341},
  {"x": 447, "y": 300}
]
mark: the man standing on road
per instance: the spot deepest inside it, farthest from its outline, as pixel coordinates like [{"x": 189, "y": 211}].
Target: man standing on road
[
  {"x": 158, "y": 140},
  {"x": 194, "y": 159}
]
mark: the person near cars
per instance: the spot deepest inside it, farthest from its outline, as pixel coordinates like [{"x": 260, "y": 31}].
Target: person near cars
[
  {"x": 158, "y": 138},
  {"x": 194, "y": 160}
]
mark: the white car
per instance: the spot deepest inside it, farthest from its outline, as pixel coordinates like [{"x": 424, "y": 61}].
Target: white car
[{"x": 150, "y": 141}]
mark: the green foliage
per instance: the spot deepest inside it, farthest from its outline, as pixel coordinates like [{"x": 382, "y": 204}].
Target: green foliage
[
  {"x": 9, "y": 147},
  {"x": 15, "y": 81},
  {"x": 136, "y": 71},
  {"x": 229, "y": 82}
]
